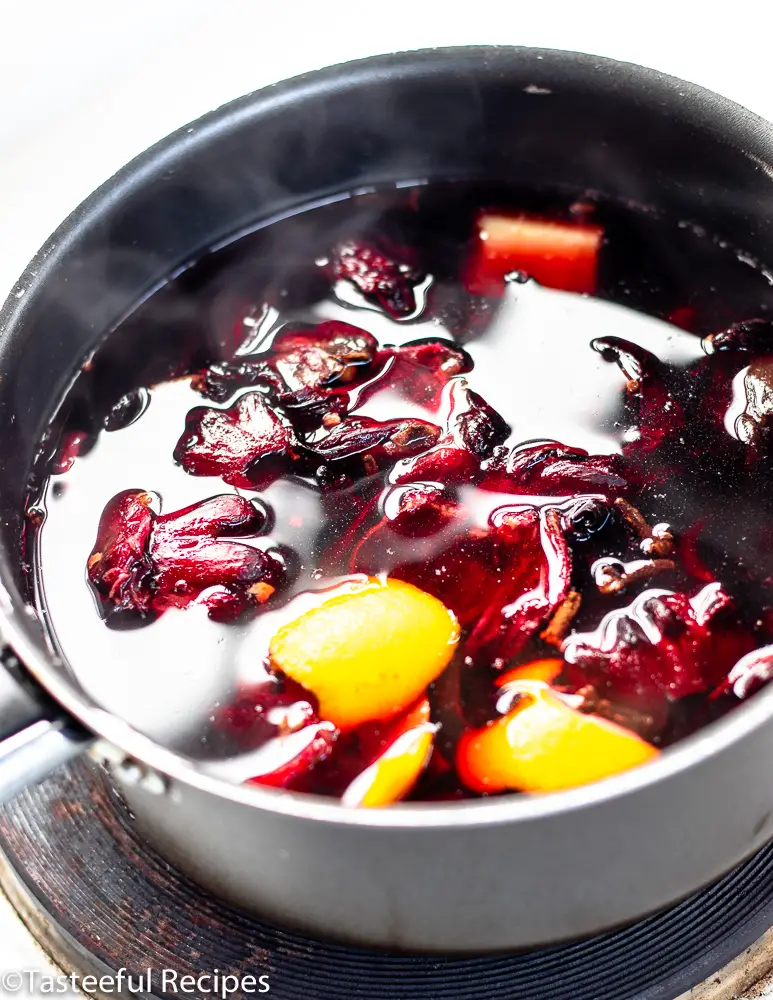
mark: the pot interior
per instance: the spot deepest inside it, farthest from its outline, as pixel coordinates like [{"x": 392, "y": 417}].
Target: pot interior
[{"x": 524, "y": 118}]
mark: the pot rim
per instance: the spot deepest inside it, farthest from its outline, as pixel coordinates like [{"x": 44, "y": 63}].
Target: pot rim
[{"x": 695, "y": 750}]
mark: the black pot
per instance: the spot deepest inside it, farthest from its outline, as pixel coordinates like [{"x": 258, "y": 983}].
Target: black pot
[{"x": 512, "y": 872}]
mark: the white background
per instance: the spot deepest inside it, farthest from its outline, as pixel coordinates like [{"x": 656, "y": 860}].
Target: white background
[{"x": 87, "y": 84}]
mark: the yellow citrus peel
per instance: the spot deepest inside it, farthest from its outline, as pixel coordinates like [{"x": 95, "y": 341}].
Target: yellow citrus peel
[
  {"x": 543, "y": 745},
  {"x": 394, "y": 773},
  {"x": 536, "y": 670},
  {"x": 369, "y": 653}
]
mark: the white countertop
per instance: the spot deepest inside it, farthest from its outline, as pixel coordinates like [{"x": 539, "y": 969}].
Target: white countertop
[{"x": 86, "y": 85}]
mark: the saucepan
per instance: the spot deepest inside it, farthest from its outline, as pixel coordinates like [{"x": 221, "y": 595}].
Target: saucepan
[{"x": 510, "y": 872}]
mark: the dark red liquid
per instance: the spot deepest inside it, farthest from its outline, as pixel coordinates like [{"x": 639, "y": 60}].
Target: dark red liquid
[{"x": 501, "y": 453}]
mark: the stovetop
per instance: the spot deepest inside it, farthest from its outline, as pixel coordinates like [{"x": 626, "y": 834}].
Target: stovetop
[{"x": 101, "y": 900}]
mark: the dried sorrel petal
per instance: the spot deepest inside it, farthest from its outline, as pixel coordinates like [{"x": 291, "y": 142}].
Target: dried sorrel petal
[
  {"x": 292, "y": 756},
  {"x": 119, "y": 567},
  {"x": 552, "y": 469},
  {"x": 731, "y": 385},
  {"x": 409, "y": 437},
  {"x": 381, "y": 278},
  {"x": 748, "y": 335},
  {"x": 357, "y": 750},
  {"x": 233, "y": 443},
  {"x": 424, "y": 367},
  {"x": 189, "y": 555},
  {"x": 657, "y": 415},
  {"x": 144, "y": 562},
  {"x": 663, "y": 643},
  {"x": 308, "y": 409},
  {"x": 373, "y": 443},
  {"x": 466, "y": 574},
  {"x": 223, "y": 378},
  {"x": 186, "y": 565},
  {"x": 538, "y": 586},
  {"x": 332, "y": 352},
  {"x": 634, "y": 361},
  {"x": 473, "y": 423},
  {"x": 473, "y": 430},
  {"x": 422, "y": 510},
  {"x": 707, "y": 391},
  {"x": 751, "y": 672},
  {"x": 504, "y": 583},
  {"x": 223, "y": 604},
  {"x": 445, "y": 464},
  {"x": 418, "y": 371},
  {"x": 309, "y": 367},
  {"x": 754, "y": 424},
  {"x": 275, "y": 707},
  {"x": 301, "y": 360},
  {"x": 351, "y": 437},
  {"x": 714, "y": 384},
  {"x": 73, "y": 444},
  {"x": 228, "y": 514},
  {"x": 419, "y": 512}
]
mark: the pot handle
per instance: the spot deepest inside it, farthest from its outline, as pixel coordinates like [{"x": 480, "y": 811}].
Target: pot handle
[{"x": 36, "y": 736}]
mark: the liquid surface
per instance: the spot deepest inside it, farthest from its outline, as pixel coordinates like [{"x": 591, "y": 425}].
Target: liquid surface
[{"x": 555, "y": 366}]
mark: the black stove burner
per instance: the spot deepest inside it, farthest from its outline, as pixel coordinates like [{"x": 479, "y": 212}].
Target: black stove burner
[{"x": 85, "y": 882}]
